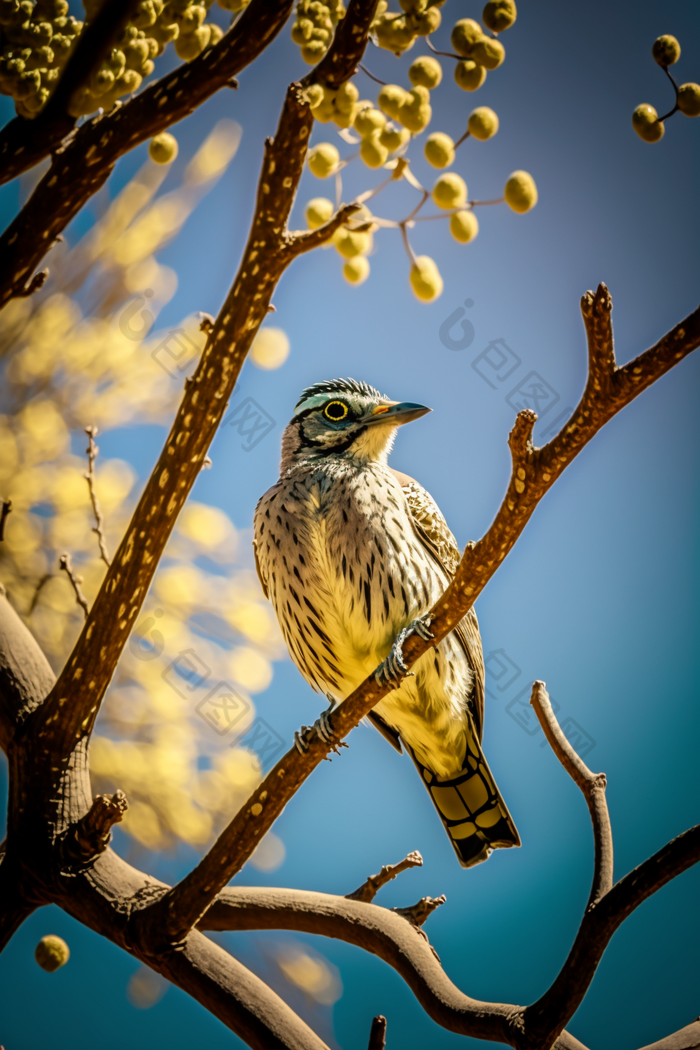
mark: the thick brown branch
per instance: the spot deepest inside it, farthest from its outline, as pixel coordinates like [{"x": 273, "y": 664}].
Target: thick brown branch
[
  {"x": 372, "y": 885},
  {"x": 384, "y": 933},
  {"x": 26, "y": 677},
  {"x": 91, "y": 835},
  {"x": 548, "y": 1016},
  {"x": 687, "y": 1038},
  {"x": 534, "y": 472},
  {"x": 591, "y": 784},
  {"x": 92, "y": 451},
  {"x": 86, "y": 159},
  {"x": 14, "y": 909}
]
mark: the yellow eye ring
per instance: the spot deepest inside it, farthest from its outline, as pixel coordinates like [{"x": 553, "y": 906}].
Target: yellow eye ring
[{"x": 335, "y": 411}]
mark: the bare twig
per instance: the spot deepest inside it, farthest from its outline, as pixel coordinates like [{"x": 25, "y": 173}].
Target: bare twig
[
  {"x": 371, "y": 886},
  {"x": 591, "y": 784},
  {"x": 37, "y": 591},
  {"x": 98, "y": 528},
  {"x": 371, "y": 75},
  {"x": 4, "y": 513},
  {"x": 377, "y": 1035},
  {"x": 64, "y": 562}
]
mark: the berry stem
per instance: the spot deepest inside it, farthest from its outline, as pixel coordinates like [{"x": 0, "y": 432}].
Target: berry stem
[
  {"x": 465, "y": 136},
  {"x": 409, "y": 250},
  {"x": 447, "y": 54},
  {"x": 371, "y": 75},
  {"x": 675, "y": 88}
]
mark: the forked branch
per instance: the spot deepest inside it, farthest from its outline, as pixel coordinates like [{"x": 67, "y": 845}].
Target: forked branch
[{"x": 372, "y": 885}]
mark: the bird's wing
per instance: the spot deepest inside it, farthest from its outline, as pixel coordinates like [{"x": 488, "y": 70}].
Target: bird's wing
[
  {"x": 263, "y": 582},
  {"x": 258, "y": 568},
  {"x": 435, "y": 535}
]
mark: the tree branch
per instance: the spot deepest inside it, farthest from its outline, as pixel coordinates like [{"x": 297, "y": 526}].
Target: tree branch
[
  {"x": 86, "y": 159},
  {"x": 14, "y": 909},
  {"x": 377, "y": 1035},
  {"x": 372, "y": 885},
  {"x": 534, "y": 471},
  {"x": 5, "y": 511},
  {"x": 306, "y": 240},
  {"x": 591, "y": 784},
  {"x": 64, "y": 562},
  {"x": 23, "y": 142},
  {"x": 26, "y": 677},
  {"x": 687, "y": 1038}
]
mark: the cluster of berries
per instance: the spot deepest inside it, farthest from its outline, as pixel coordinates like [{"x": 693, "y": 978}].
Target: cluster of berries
[
  {"x": 645, "y": 120},
  {"x": 36, "y": 39}
]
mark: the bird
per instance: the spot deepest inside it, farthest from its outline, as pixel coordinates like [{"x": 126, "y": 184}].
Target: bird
[{"x": 352, "y": 555}]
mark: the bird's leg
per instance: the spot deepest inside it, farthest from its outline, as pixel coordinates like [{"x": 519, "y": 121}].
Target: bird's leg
[
  {"x": 393, "y": 668},
  {"x": 323, "y": 727}
]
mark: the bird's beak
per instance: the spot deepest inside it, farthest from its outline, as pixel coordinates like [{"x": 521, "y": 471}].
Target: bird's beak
[{"x": 395, "y": 413}]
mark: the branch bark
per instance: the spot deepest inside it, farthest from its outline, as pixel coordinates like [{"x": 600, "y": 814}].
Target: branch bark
[
  {"x": 534, "y": 471},
  {"x": 372, "y": 885},
  {"x": 84, "y": 162}
]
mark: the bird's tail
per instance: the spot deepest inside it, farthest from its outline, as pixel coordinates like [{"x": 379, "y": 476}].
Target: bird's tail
[{"x": 471, "y": 807}]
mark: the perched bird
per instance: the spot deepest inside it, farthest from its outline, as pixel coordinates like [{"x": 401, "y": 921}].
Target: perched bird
[{"x": 352, "y": 556}]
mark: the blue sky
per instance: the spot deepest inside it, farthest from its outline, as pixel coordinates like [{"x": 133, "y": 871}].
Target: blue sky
[{"x": 598, "y": 597}]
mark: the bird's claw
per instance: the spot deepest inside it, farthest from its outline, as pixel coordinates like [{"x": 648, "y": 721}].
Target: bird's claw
[
  {"x": 393, "y": 668},
  {"x": 300, "y": 741},
  {"x": 323, "y": 729}
]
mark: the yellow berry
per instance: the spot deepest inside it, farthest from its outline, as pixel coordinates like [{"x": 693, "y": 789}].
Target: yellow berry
[
  {"x": 428, "y": 22},
  {"x": 352, "y": 242},
  {"x": 51, "y": 953},
  {"x": 689, "y": 99},
  {"x": 313, "y": 52},
  {"x": 415, "y": 114},
  {"x": 464, "y": 226},
  {"x": 666, "y": 50},
  {"x": 499, "y": 15},
  {"x": 391, "y": 98},
  {"x": 372, "y": 152},
  {"x": 163, "y": 148},
  {"x": 425, "y": 278},
  {"x": 393, "y": 138},
  {"x": 439, "y": 150},
  {"x": 323, "y": 160},
  {"x": 469, "y": 75},
  {"x": 346, "y": 96},
  {"x": 489, "y": 53},
  {"x": 450, "y": 191},
  {"x": 465, "y": 35},
  {"x": 426, "y": 72},
  {"x": 318, "y": 211},
  {"x": 356, "y": 270},
  {"x": 483, "y": 123},
  {"x": 368, "y": 120},
  {"x": 521, "y": 192},
  {"x": 315, "y": 95},
  {"x": 645, "y": 121}
]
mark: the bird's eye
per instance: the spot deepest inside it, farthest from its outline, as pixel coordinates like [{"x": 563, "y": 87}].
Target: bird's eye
[{"x": 335, "y": 411}]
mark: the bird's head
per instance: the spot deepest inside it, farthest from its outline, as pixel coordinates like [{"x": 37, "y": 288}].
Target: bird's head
[{"x": 347, "y": 418}]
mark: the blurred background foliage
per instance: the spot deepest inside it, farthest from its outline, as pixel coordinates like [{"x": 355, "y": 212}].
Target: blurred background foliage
[{"x": 74, "y": 357}]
